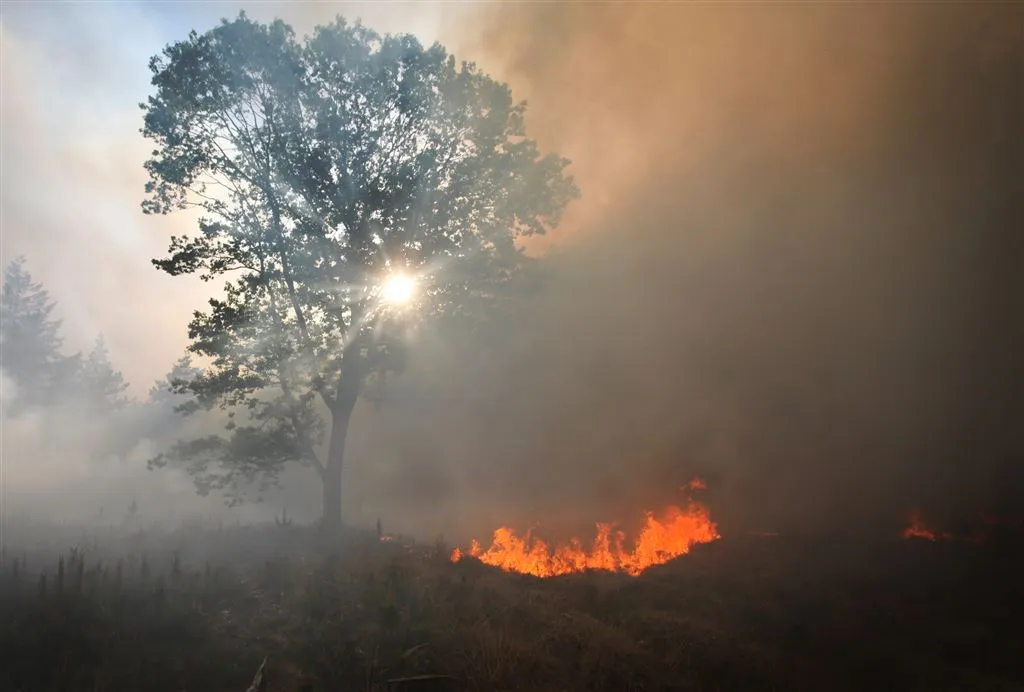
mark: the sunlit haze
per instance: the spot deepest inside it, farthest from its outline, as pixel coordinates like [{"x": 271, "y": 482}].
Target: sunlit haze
[{"x": 398, "y": 289}]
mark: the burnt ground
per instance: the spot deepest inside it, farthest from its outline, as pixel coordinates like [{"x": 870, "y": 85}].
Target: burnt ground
[{"x": 808, "y": 613}]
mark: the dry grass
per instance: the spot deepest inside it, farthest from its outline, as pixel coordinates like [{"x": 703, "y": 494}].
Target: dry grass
[{"x": 766, "y": 614}]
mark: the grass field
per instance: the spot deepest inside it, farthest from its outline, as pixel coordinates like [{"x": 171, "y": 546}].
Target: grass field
[{"x": 200, "y": 611}]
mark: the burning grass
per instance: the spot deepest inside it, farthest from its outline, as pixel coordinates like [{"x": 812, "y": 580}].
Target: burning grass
[
  {"x": 737, "y": 613},
  {"x": 665, "y": 537},
  {"x": 661, "y": 538}
]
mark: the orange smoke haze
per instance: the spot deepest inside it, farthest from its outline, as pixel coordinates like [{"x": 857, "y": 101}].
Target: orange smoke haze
[{"x": 794, "y": 267}]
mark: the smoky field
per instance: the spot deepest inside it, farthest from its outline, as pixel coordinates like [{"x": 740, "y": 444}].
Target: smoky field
[{"x": 202, "y": 607}]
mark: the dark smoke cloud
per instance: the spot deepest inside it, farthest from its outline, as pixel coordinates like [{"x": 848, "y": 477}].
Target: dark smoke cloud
[{"x": 796, "y": 267}]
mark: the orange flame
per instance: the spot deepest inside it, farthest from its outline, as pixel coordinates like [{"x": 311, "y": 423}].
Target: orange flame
[{"x": 661, "y": 538}]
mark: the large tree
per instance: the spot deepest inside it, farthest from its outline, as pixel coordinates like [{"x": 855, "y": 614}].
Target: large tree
[{"x": 325, "y": 169}]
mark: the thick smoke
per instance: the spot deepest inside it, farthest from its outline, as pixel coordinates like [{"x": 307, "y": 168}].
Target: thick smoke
[{"x": 797, "y": 267}]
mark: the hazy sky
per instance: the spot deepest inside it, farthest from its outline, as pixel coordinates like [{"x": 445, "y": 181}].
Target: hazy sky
[{"x": 72, "y": 76}]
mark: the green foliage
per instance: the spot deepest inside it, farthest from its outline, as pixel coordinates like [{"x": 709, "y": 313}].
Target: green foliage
[{"x": 321, "y": 167}]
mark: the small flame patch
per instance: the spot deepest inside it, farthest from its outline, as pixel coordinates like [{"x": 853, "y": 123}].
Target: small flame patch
[{"x": 918, "y": 529}]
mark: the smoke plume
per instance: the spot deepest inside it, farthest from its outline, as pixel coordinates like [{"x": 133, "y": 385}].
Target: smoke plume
[{"x": 797, "y": 266}]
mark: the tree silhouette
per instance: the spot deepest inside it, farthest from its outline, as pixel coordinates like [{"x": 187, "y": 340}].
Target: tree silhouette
[
  {"x": 30, "y": 341},
  {"x": 101, "y": 387},
  {"x": 162, "y": 394},
  {"x": 325, "y": 169}
]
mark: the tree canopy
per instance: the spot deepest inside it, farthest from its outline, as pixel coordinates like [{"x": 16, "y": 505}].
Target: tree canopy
[{"x": 323, "y": 168}]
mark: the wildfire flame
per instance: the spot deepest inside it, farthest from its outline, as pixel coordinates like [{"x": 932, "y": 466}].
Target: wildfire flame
[{"x": 661, "y": 538}]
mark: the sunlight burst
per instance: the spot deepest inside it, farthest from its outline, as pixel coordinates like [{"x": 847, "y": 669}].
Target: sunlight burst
[{"x": 398, "y": 289}]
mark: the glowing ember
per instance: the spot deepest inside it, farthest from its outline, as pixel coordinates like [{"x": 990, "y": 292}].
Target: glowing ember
[
  {"x": 662, "y": 538},
  {"x": 918, "y": 529}
]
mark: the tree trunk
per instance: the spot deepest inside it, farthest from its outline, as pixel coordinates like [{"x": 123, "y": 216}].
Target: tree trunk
[{"x": 341, "y": 415}]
